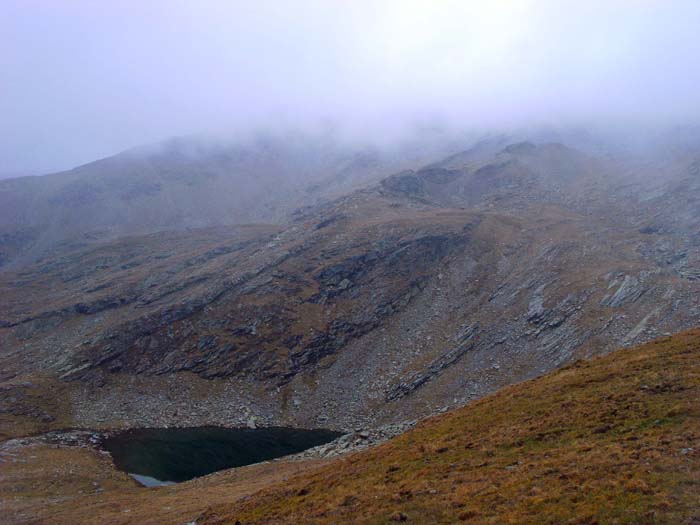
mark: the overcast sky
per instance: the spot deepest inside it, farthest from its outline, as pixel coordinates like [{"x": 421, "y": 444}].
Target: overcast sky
[{"x": 81, "y": 80}]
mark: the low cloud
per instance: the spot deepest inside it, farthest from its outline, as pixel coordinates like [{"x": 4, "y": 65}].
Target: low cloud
[{"x": 82, "y": 79}]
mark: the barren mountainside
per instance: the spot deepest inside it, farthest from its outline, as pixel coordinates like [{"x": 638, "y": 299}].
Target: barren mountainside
[
  {"x": 430, "y": 288},
  {"x": 188, "y": 182}
]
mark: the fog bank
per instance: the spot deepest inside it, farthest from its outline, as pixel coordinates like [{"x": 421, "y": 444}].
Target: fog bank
[{"x": 82, "y": 80}]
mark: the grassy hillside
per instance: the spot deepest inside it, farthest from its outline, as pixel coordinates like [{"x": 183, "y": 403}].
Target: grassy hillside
[{"x": 613, "y": 440}]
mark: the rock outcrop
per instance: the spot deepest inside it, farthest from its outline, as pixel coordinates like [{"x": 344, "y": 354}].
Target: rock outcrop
[{"x": 425, "y": 291}]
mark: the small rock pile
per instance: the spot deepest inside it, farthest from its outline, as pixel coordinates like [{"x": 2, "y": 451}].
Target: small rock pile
[{"x": 357, "y": 440}]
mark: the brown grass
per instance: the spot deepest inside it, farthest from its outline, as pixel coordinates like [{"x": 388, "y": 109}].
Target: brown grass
[
  {"x": 57, "y": 485},
  {"x": 612, "y": 440}
]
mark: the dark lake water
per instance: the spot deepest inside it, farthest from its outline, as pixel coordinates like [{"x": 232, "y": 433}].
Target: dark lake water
[{"x": 157, "y": 455}]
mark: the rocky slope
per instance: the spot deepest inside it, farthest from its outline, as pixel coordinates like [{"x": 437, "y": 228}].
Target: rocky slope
[
  {"x": 612, "y": 440},
  {"x": 189, "y": 182},
  {"x": 434, "y": 287}
]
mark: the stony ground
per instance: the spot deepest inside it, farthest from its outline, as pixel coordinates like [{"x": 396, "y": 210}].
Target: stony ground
[
  {"x": 431, "y": 289},
  {"x": 612, "y": 440}
]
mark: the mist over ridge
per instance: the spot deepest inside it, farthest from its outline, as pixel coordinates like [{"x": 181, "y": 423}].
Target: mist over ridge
[{"x": 83, "y": 81}]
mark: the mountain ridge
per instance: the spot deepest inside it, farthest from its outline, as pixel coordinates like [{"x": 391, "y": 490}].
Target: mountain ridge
[
  {"x": 368, "y": 309},
  {"x": 189, "y": 182}
]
